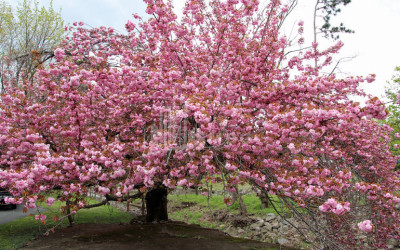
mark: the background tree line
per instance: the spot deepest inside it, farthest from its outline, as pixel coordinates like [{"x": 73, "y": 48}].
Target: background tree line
[{"x": 28, "y": 35}]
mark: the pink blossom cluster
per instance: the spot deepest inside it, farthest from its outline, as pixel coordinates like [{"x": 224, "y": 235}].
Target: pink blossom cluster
[
  {"x": 40, "y": 217},
  {"x": 331, "y": 205},
  {"x": 366, "y": 226}
]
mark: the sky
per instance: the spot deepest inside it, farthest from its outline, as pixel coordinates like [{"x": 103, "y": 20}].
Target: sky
[{"x": 375, "y": 43}]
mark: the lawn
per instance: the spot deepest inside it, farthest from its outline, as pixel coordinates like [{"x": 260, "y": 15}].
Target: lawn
[
  {"x": 16, "y": 234},
  {"x": 198, "y": 206}
]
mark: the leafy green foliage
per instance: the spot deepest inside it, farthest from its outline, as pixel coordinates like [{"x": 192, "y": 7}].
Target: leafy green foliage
[
  {"x": 28, "y": 36},
  {"x": 393, "y": 118},
  {"x": 332, "y": 8}
]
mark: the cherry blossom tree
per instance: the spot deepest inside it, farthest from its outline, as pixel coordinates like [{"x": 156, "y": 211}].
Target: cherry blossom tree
[{"x": 216, "y": 95}]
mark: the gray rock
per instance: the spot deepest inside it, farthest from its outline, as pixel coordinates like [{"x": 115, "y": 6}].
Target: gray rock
[
  {"x": 285, "y": 228},
  {"x": 267, "y": 226},
  {"x": 272, "y": 235},
  {"x": 254, "y": 227},
  {"x": 275, "y": 225},
  {"x": 259, "y": 223},
  {"x": 283, "y": 241},
  {"x": 258, "y": 234},
  {"x": 270, "y": 216},
  {"x": 393, "y": 242}
]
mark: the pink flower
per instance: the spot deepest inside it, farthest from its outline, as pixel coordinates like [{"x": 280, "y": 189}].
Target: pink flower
[
  {"x": 331, "y": 205},
  {"x": 50, "y": 201},
  {"x": 182, "y": 182},
  {"x": 129, "y": 26},
  {"x": 328, "y": 205},
  {"x": 339, "y": 209},
  {"x": 230, "y": 167},
  {"x": 42, "y": 217},
  {"x": 291, "y": 146},
  {"x": 136, "y": 16},
  {"x": 59, "y": 53},
  {"x": 370, "y": 78},
  {"x": 324, "y": 208},
  {"x": 366, "y": 226},
  {"x": 103, "y": 190},
  {"x": 397, "y": 135}
]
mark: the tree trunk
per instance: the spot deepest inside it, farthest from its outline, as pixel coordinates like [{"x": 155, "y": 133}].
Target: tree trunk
[
  {"x": 243, "y": 210},
  {"x": 237, "y": 196},
  {"x": 156, "y": 204},
  {"x": 264, "y": 199},
  {"x": 69, "y": 214}
]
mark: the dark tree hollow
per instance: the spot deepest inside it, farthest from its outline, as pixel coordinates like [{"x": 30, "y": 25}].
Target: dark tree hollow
[{"x": 156, "y": 204}]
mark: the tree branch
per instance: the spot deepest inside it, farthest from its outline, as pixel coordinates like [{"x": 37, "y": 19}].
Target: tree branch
[{"x": 113, "y": 198}]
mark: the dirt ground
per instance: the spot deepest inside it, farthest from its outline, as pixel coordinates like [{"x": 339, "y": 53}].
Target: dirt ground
[{"x": 144, "y": 236}]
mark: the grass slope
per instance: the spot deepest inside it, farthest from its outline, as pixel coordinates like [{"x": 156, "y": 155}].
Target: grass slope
[{"x": 17, "y": 233}]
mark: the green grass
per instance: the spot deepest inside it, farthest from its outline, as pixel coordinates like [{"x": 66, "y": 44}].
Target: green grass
[
  {"x": 251, "y": 201},
  {"x": 196, "y": 214},
  {"x": 16, "y": 234}
]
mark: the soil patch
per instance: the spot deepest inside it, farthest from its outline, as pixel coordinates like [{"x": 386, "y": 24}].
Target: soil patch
[{"x": 146, "y": 236}]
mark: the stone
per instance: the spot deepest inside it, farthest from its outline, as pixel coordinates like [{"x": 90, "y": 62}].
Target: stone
[
  {"x": 240, "y": 230},
  {"x": 272, "y": 235},
  {"x": 393, "y": 242},
  {"x": 257, "y": 233},
  {"x": 254, "y": 227},
  {"x": 259, "y": 223},
  {"x": 284, "y": 228},
  {"x": 283, "y": 241},
  {"x": 267, "y": 226},
  {"x": 270, "y": 216},
  {"x": 275, "y": 225}
]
